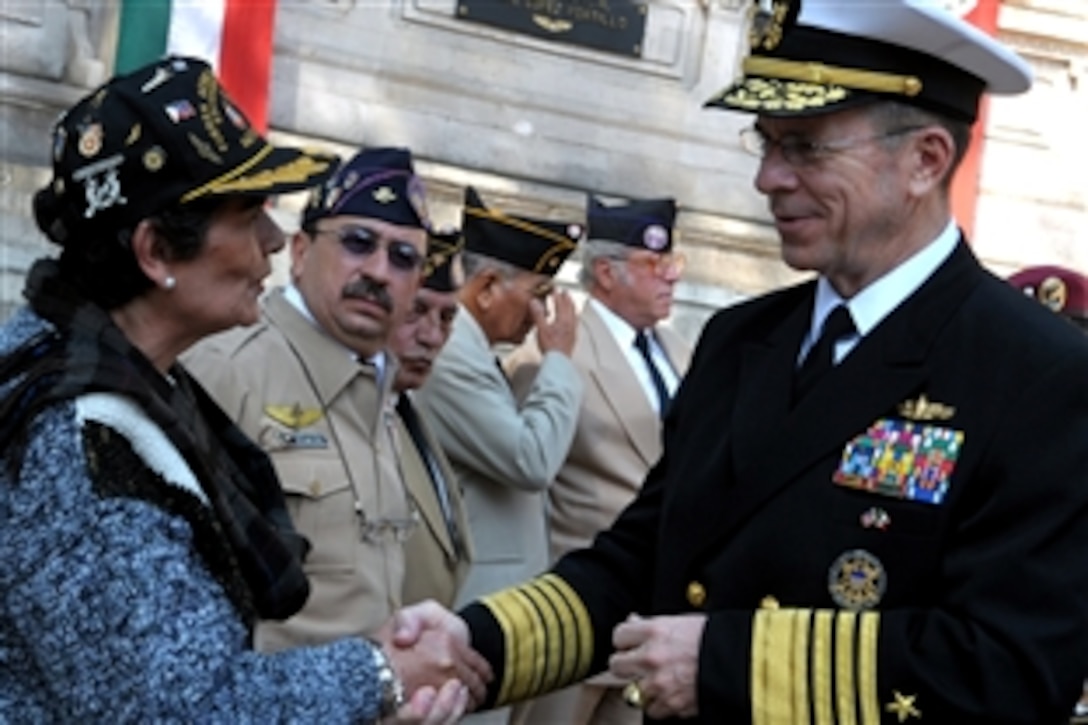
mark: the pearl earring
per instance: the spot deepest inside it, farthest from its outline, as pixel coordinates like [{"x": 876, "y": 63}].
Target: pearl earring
[{"x": 170, "y": 282}]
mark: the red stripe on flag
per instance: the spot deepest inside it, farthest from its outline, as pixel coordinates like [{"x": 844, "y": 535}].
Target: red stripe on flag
[
  {"x": 245, "y": 57},
  {"x": 965, "y": 187}
]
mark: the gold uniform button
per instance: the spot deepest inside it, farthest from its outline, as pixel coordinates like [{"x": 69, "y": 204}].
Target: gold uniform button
[
  {"x": 769, "y": 602},
  {"x": 696, "y": 594}
]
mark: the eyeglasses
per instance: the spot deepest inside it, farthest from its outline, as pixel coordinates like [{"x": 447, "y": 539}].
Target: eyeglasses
[
  {"x": 799, "y": 151},
  {"x": 361, "y": 242},
  {"x": 657, "y": 263}
]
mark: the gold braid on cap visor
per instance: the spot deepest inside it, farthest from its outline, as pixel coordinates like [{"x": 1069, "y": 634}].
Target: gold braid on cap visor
[
  {"x": 806, "y": 72},
  {"x": 548, "y": 258}
]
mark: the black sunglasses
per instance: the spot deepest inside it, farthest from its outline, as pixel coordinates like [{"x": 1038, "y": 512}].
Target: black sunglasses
[{"x": 362, "y": 242}]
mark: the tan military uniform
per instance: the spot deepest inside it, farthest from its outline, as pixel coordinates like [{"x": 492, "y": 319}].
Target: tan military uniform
[
  {"x": 438, "y": 554},
  {"x": 328, "y": 425}
]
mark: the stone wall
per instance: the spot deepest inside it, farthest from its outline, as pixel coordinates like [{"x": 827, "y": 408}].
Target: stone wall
[{"x": 536, "y": 124}]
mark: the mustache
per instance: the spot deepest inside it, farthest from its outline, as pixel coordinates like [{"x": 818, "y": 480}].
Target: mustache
[{"x": 367, "y": 289}]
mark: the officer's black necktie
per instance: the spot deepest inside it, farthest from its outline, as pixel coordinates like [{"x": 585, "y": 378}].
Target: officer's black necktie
[
  {"x": 642, "y": 344},
  {"x": 821, "y": 357},
  {"x": 407, "y": 413}
]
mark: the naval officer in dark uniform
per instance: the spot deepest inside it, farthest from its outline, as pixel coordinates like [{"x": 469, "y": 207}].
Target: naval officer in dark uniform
[{"x": 872, "y": 502}]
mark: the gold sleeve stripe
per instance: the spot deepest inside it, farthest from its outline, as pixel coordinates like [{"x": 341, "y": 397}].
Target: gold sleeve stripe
[
  {"x": 821, "y": 669},
  {"x": 579, "y": 651},
  {"x": 814, "y": 667},
  {"x": 499, "y": 609},
  {"x": 867, "y": 648},
  {"x": 802, "y": 622},
  {"x": 779, "y": 668},
  {"x": 548, "y": 648},
  {"x": 548, "y": 636},
  {"x": 845, "y": 628},
  {"x": 779, "y": 684},
  {"x": 758, "y": 685},
  {"x": 567, "y": 635},
  {"x": 530, "y": 659}
]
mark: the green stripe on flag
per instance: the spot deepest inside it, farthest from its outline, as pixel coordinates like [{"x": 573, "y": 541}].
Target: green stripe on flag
[{"x": 141, "y": 33}]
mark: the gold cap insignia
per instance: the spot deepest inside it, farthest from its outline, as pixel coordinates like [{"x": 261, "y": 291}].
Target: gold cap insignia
[
  {"x": 1053, "y": 293},
  {"x": 90, "y": 140},
  {"x": 154, "y": 158},
  {"x": 766, "y": 21},
  {"x": 924, "y": 409},
  {"x": 384, "y": 195}
]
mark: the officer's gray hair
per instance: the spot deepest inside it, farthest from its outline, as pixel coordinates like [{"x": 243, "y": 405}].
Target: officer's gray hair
[
  {"x": 475, "y": 264},
  {"x": 889, "y": 116},
  {"x": 594, "y": 249}
]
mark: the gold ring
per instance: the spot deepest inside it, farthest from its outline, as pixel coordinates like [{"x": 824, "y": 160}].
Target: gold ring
[{"x": 632, "y": 695}]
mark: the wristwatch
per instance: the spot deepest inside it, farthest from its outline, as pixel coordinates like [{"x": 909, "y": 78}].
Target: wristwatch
[{"x": 392, "y": 689}]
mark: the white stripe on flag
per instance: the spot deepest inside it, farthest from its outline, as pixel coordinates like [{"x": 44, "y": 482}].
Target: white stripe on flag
[{"x": 196, "y": 29}]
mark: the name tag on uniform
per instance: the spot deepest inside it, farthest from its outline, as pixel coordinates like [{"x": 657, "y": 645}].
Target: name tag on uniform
[
  {"x": 304, "y": 439},
  {"x": 903, "y": 459}
]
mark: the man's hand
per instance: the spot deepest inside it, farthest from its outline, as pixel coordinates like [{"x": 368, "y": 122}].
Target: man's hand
[
  {"x": 428, "y": 706},
  {"x": 560, "y": 331},
  {"x": 661, "y": 655},
  {"x": 428, "y": 646}
]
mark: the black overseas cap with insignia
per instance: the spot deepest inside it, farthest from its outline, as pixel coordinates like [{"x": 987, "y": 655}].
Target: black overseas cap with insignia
[
  {"x": 377, "y": 183},
  {"x": 814, "y": 56},
  {"x": 643, "y": 224},
  {"x": 535, "y": 245},
  {"x": 442, "y": 270},
  {"x": 164, "y": 134}
]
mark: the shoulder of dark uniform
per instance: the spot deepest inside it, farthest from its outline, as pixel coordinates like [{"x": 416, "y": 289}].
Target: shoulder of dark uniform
[{"x": 756, "y": 315}]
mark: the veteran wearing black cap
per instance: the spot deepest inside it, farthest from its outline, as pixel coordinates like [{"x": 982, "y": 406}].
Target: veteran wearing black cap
[
  {"x": 438, "y": 554},
  {"x": 142, "y": 535},
  {"x": 631, "y": 366},
  {"x": 872, "y": 500},
  {"x": 506, "y": 452},
  {"x": 312, "y": 384}
]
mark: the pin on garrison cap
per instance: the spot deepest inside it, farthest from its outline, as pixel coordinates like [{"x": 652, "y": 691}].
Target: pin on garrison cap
[
  {"x": 164, "y": 134},
  {"x": 442, "y": 270},
  {"x": 535, "y": 245},
  {"x": 377, "y": 183},
  {"x": 813, "y": 56},
  {"x": 1063, "y": 290},
  {"x": 643, "y": 224}
]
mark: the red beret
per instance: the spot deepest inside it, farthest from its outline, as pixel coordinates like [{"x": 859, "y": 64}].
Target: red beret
[{"x": 1060, "y": 289}]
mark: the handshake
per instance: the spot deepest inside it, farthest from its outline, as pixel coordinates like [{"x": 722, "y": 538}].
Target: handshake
[
  {"x": 443, "y": 677},
  {"x": 439, "y": 673}
]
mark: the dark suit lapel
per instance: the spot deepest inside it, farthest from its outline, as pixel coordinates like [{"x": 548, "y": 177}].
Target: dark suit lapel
[{"x": 772, "y": 446}]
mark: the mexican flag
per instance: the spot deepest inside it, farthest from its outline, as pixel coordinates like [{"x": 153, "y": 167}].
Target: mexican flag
[{"x": 234, "y": 36}]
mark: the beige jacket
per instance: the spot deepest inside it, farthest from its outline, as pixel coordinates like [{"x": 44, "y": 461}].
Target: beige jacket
[
  {"x": 328, "y": 425},
  {"x": 618, "y": 436}
]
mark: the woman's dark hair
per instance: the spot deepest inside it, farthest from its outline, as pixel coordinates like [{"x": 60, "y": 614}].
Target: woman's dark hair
[{"x": 100, "y": 263}]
